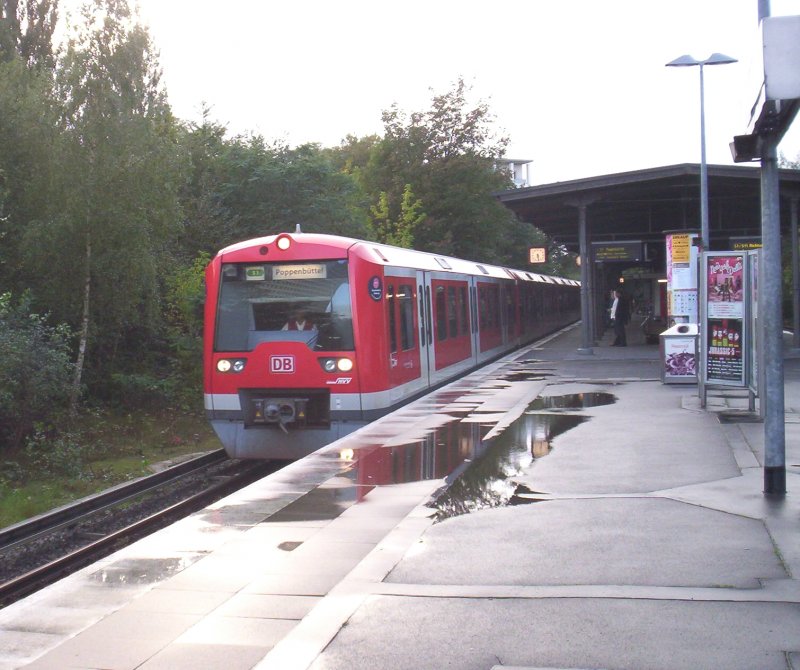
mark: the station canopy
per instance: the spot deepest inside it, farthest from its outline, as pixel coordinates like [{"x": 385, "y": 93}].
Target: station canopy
[{"x": 645, "y": 204}]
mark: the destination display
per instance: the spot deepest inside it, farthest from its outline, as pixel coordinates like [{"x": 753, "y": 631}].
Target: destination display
[{"x": 617, "y": 251}]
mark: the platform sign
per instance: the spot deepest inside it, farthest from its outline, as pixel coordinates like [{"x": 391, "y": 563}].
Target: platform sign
[{"x": 682, "y": 277}]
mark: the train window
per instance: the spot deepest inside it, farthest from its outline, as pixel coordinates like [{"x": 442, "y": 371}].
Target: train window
[
  {"x": 255, "y": 302},
  {"x": 511, "y": 310},
  {"x": 452, "y": 312},
  {"x": 463, "y": 304},
  {"x": 441, "y": 314},
  {"x": 405, "y": 296},
  {"x": 489, "y": 306},
  {"x": 390, "y": 301}
]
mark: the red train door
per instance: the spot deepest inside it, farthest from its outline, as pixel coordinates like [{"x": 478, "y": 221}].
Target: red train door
[{"x": 408, "y": 365}]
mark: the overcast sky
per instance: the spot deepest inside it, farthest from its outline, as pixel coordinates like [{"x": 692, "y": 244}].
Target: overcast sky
[{"x": 579, "y": 86}]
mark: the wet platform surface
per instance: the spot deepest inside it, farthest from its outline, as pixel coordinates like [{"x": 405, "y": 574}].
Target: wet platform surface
[{"x": 586, "y": 516}]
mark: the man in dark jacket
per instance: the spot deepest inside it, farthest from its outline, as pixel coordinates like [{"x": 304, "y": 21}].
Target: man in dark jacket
[{"x": 620, "y": 316}]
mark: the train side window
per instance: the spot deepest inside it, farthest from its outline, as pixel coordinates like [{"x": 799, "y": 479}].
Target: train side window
[
  {"x": 464, "y": 308},
  {"x": 489, "y": 307},
  {"x": 441, "y": 314},
  {"x": 452, "y": 312},
  {"x": 511, "y": 308},
  {"x": 406, "y": 302},
  {"x": 390, "y": 300}
]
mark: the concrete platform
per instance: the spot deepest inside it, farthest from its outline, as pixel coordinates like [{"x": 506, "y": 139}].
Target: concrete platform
[{"x": 624, "y": 535}]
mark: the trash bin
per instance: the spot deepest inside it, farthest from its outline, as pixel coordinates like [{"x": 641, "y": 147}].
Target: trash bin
[{"x": 679, "y": 354}]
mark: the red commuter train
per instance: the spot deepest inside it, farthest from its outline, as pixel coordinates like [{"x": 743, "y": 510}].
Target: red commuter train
[{"x": 308, "y": 337}]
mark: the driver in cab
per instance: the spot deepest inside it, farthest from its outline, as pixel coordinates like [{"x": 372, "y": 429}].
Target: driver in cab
[{"x": 298, "y": 320}]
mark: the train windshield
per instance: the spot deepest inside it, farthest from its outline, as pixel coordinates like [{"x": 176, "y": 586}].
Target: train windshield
[{"x": 307, "y": 302}]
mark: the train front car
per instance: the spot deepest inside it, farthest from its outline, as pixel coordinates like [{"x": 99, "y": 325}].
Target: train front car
[{"x": 280, "y": 372}]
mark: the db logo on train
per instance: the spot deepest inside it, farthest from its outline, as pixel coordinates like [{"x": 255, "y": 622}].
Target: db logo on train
[{"x": 281, "y": 363}]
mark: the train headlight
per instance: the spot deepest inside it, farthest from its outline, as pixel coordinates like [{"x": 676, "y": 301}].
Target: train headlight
[
  {"x": 336, "y": 364},
  {"x": 231, "y": 364},
  {"x": 284, "y": 242}
]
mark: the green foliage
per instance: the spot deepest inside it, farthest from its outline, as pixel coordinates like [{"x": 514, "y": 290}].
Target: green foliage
[
  {"x": 400, "y": 232},
  {"x": 54, "y": 453},
  {"x": 26, "y": 31},
  {"x": 433, "y": 176},
  {"x": 35, "y": 369},
  {"x": 185, "y": 295},
  {"x": 27, "y": 136},
  {"x": 114, "y": 194}
]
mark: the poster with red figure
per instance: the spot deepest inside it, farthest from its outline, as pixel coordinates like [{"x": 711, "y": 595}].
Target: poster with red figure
[{"x": 725, "y": 276}]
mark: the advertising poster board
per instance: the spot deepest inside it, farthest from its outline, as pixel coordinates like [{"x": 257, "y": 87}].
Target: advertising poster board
[
  {"x": 679, "y": 354},
  {"x": 724, "y": 333},
  {"x": 755, "y": 346},
  {"x": 725, "y": 361},
  {"x": 725, "y": 286}
]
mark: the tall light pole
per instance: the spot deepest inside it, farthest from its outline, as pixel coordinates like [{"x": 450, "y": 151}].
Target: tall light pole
[{"x": 688, "y": 61}]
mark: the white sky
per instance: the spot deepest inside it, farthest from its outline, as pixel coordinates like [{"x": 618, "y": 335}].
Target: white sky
[{"x": 580, "y": 86}]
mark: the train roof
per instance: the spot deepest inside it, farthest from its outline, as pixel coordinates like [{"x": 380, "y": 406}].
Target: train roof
[{"x": 384, "y": 254}]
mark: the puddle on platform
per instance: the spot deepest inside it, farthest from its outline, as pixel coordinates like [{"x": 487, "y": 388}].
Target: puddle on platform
[
  {"x": 526, "y": 376},
  {"x": 489, "y": 482},
  {"x": 142, "y": 570},
  {"x": 525, "y": 496},
  {"x": 478, "y": 471},
  {"x": 572, "y": 401},
  {"x": 289, "y": 546}
]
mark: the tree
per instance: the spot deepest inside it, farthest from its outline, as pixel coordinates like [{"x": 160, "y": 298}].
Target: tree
[
  {"x": 400, "y": 232},
  {"x": 27, "y": 139},
  {"x": 118, "y": 178},
  {"x": 242, "y": 187},
  {"x": 446, "y": 156},
  {"x": 205, "y": 216},
  {"x": 26, "y": 31},
  {"x": 28, "y": 343},
  {"x": 787, "y": 164}
]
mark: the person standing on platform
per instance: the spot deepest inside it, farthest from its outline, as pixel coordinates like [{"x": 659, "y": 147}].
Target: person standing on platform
[{"x": 620, "y": 316}]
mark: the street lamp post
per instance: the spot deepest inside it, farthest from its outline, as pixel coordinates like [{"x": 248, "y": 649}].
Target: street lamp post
[{"x": 688, "y": 61}]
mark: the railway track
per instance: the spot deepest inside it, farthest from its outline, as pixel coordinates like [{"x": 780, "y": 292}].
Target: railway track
[{"x": 41, "y": 550}]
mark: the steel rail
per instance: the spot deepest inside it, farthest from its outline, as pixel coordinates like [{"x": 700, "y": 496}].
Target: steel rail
[
  {"x": 68, "y": 514},
  {"x": 35, "y": 579}
]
